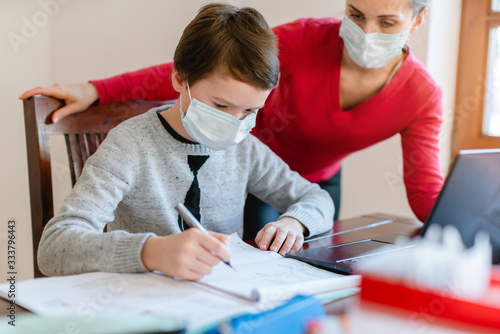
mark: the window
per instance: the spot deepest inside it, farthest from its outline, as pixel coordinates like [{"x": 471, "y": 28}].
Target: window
[
  {"x": 491, "y": 119},
  {"x": 477, "y": 113},
  {"x": 495, "y": 5}
]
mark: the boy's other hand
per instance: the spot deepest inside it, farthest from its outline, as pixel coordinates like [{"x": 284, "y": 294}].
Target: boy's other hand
[
  {"x": 188, "y": 255},
  {"x": 77, "y": 97},
  {"x": 288, "y": 235}
]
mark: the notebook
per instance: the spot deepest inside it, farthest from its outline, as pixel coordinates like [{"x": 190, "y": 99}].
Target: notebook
[
  {"x": 262, "y": 280},
  {"x": 469, "y": 200},
  {"x": 264, "y": 276}
]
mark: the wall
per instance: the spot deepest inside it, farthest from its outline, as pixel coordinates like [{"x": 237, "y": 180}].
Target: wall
[
  {"x": 24, "y": 62},
  {"x": 82, "y": 40},
  {"x": 443, "y": 62}
]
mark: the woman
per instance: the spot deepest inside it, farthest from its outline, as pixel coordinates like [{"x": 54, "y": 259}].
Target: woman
[{"x": 344, "y": 86}]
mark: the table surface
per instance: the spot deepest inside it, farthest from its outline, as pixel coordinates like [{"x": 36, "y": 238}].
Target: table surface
[
  {"x": 344, "y": 231},
  {"x": 361, "y": 316}
]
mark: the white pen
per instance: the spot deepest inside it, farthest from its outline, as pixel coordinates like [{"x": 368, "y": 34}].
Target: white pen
[{"x": 193, "y": 222}]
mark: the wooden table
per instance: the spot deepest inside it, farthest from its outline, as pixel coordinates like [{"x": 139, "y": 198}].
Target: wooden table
[
  {"x": 375, "y": 225},
  {"x": 344, "y": 231}
]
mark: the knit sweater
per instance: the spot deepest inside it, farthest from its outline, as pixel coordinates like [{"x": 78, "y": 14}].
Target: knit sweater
[
  {"x": 303, "y": 122},
  {"x": 137, "y": 176}
]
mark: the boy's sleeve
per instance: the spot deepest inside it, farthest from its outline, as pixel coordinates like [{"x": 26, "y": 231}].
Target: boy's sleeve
[
  {"x": 73, "y": 241},
  {"x": 272, "y": 181}
]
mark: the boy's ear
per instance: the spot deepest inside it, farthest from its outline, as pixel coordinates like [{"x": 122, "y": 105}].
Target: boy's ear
[{"x": 177, "y": 82}]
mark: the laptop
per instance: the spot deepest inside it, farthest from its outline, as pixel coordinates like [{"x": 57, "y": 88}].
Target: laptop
[{"x": 469, "y": 200}]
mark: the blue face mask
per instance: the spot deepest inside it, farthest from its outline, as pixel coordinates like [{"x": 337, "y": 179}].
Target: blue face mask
[
  {"x": 373, "y": 50},
  {"x": 213, "y": 128}
]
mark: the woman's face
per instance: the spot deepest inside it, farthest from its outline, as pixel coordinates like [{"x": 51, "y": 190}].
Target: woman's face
[{"x": 382, "y": 16}]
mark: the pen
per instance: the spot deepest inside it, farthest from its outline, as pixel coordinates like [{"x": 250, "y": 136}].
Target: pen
[{"x": 193, "y": 222}]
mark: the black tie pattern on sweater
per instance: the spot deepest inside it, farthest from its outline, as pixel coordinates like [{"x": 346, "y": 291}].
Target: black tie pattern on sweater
[{"x": 192, "y": 200}]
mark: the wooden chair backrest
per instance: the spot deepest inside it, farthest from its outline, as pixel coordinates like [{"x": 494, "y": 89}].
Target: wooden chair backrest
[{"x": 83, "y": 133}]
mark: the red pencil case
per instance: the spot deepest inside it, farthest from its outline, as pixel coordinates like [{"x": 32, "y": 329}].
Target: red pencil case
[{"x": 484, "y": 311}]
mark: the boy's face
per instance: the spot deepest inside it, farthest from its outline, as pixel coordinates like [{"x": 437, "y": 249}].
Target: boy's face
[{"x": 226, "y": 94}]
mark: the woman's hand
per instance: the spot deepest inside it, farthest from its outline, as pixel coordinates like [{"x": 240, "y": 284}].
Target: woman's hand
[
  {"x": 288, "y": 235},
  {"x": 78, "y": 97},
  {"x": 188, "y": 255}
]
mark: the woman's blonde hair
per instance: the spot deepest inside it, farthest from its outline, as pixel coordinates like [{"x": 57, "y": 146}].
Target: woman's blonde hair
[{"x": 419, "y": 5}]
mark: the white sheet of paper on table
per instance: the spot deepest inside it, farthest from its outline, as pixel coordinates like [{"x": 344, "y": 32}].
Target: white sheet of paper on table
[{"x": 98, "y": 294}]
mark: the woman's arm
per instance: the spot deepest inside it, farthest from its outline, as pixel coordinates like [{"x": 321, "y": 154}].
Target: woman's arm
[
  {"x": 151, "y": 84},
  {"x": 421, "y": 167}
]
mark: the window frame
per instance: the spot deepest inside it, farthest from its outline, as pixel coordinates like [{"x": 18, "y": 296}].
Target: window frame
[{"x": 477, "y": 20}]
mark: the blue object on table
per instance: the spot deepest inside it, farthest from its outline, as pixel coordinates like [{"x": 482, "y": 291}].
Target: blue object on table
[{"x": 291, "y": 317}]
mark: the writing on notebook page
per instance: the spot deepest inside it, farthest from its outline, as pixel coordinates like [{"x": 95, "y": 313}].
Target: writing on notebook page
[{"x": 260, "y": 273}]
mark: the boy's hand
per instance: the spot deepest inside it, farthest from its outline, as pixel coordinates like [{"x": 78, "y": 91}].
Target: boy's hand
[
  {"x": 189, "y": 255},
  {"x": 78, "y": 97},
  {"x": 288, "y": 235}
]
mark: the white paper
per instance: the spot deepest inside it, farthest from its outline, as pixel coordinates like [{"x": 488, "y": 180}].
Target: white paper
[
  {"x": 100, "y": 294},
  {"x": 266, "y": 276}
]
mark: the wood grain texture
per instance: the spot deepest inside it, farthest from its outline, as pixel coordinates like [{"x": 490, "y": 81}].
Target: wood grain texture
[{"x": 83, "y": 133}]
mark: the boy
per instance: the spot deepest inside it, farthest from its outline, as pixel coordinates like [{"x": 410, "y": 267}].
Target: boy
[{"x": 197, "y": 152}]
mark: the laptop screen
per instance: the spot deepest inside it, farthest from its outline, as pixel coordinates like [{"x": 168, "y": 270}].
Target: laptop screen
[{"x": 470, "y": 198}]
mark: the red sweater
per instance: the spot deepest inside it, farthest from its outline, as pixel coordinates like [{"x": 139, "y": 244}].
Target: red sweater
[{"x": 302, "y": 120}]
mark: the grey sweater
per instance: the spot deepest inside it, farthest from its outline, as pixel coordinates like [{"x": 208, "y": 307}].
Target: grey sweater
[{"x": 138, "y": 175}]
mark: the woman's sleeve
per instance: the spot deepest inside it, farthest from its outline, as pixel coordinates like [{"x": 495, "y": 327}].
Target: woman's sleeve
[
  {"x": 153, "y": 83},
  {"x": 421, "y": 167},
  {"x": 150, "y": 84}
]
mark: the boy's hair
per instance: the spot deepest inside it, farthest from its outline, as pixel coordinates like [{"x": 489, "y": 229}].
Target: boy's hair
[{"x": 230, "y": 41}]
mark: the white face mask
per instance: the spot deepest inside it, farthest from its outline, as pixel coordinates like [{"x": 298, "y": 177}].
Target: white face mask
[
  {"x": 213, "y": 128},
  {"x": 373, "y": 50}
]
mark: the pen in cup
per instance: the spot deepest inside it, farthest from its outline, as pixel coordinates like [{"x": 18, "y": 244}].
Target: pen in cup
[{"x": 193, "y": 222}]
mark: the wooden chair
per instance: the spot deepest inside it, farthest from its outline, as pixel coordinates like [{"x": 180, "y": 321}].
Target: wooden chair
[{"x": 83, "y": 133}]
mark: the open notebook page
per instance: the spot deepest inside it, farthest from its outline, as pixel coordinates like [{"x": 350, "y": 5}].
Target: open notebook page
[
  {"x": 263, "y": 276},
  {"x": 108, "y": 294},
  {"x": 100, "y": 294}
]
